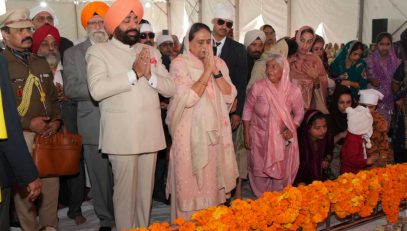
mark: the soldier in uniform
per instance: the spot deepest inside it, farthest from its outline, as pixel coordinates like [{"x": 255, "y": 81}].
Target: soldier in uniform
[{"x": 37, "y": 106}]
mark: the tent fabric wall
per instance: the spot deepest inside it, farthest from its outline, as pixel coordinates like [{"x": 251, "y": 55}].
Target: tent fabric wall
[
  {"x": 394, "y": 10},
  {"x": 340, "y": 18},
  {"x": 66, "y": 14},
  {"x": 256, "y": 13}
]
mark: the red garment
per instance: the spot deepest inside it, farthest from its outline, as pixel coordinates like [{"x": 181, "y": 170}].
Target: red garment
[
  {"x": 352, "y": 158},
  {"x": 40, "y": 34}
]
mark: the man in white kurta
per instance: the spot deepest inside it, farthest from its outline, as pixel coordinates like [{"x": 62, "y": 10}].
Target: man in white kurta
[{"x": 126, "y": 77}]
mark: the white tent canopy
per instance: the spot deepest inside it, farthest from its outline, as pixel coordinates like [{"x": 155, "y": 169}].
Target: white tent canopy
[{"x": 336, "y": 20}]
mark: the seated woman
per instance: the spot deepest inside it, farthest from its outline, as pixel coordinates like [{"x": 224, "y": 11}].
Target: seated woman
[
  {"x": 382, "y": 66},
  {"x": 348, "y": 68},
  {"x": 315, "y": 145},
  {"x": 202, "y": 167},
  {"x": 338, "y": 125},
  {"x": 273, "y": 110},
  {"x": 308, "y": 73}
]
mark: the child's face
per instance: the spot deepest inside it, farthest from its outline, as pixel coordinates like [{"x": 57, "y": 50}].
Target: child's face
[
  {"x": 371, "y": 107},
  {"x": 318, "y": 129}
]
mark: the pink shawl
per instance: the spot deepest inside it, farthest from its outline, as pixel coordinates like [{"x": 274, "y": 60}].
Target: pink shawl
[
  {"x": 274, "y": 165},
  {"x": 300, "y": 78},
  {"x": 208, "y": 127}
]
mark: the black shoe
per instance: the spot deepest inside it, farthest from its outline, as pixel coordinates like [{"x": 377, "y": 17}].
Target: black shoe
[
  {"x": 15, "y": 224},
  {"x": 105, "y": 228},
  {"x": 228, "y": 202}
]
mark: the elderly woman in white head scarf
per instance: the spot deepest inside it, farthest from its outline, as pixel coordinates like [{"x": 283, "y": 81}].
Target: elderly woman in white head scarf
[
  {"x": 202, "y": 168},
  {"x": 284, "y": 47},
  {"x": 272, "y": 113}
]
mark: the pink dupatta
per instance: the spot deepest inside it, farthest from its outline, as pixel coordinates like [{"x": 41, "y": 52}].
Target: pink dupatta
[
  {"x": 208, "y": 127},
  {"x": 302, "y": 80},
  {"x": 274, "y": 162}
]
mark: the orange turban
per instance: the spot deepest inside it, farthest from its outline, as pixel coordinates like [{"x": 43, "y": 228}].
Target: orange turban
[
  {"x": 119, "y": 10},
  {"x": 99, "y": 8}
]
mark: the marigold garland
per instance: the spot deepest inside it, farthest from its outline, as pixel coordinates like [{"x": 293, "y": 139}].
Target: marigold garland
[{"x": 306, "y": 206}]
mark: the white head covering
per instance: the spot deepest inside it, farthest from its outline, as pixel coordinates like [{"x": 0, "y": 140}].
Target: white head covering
[
  {"x": 331, "y": 84},
  {"x": 360, "y": 122},
  {"x": 281, "y": 48},
  {"x": 224, "y": 11},
  {"x": 145, "y": 27},
  {"x": 38, "y": 9},
  {"x": 163, "y": 38},
  {"x": 252, "y": 35},
  {"x": 370, "y": 96}
]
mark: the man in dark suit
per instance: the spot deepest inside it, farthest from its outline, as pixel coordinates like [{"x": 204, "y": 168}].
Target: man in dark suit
[
  {"x": 233, "y": 53},
  {"x": 16, "y": 164}
]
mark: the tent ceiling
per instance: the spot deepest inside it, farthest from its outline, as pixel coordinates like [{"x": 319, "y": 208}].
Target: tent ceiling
[{"x": 336, "y": 20}]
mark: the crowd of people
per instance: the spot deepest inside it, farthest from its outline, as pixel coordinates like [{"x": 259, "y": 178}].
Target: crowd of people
[{"x": 185, "y": 123}]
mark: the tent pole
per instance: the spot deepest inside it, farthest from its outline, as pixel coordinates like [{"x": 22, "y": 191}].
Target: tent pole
[
  {"x": 237, "y": 27},
  {"x": 76, "y": 20},
  {"x": 200, "y": 11},
  {"x": 169, "y": 25},
  {"x": 288, "y": 17},
  {"x": 361, "y": 10}
]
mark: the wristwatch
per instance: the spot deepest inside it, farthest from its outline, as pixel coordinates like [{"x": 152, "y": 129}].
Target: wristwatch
[{"x": 217, "y": 76}]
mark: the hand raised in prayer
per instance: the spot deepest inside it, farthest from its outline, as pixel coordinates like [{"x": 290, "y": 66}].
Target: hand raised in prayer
[
  {"x": 349, "y": 83},
  {"x": 343, "y": 76},
  {"x": 209, "y": 61},
  {"x": 311, "y": 70},
  {"x": 141, "y": 65}
]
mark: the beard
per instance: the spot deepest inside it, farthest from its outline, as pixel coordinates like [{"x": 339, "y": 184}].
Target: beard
[
  {"x": 149, "y": 43},
  {"x": 124, "y": 37},
  {"x": 52, "y": 59},
  {"x": 98, "y": 36},
  {"x": 255, "y": 55}
]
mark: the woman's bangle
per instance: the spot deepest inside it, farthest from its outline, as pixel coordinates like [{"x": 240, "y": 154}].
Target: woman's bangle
[{"x": 202, "y": 82}]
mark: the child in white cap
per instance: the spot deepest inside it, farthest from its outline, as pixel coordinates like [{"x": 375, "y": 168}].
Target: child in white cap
[
  {"x": 380, "y": 149},
  {"x": 353, "y": 153}
]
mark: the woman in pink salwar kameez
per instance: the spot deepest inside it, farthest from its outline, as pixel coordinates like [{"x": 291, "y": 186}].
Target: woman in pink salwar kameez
[
  {"x": 273, "y": 110},
  {"x": 202, "y": 168}
]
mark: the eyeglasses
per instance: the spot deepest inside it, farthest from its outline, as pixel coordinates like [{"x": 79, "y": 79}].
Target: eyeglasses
[
  {"x": 220, "y": 22},
  {"x": 145, "y": 35},
  {"x": 43, "y": 18},
  {"x": 94, "y": 23}
]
